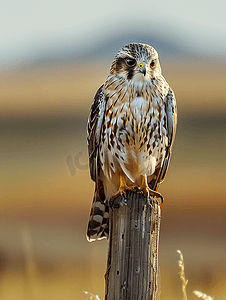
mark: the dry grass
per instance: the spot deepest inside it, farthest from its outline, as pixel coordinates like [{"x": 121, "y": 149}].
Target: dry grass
[
  {"x": 202, "y": 295},
  {"x": 185, "y": 281},
  {"x": 91, "y": 296},
  {"x": 182, "y": 274}
]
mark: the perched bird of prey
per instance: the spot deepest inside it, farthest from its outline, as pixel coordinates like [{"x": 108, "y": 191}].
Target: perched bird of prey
[{"x": 131, "y": 128}]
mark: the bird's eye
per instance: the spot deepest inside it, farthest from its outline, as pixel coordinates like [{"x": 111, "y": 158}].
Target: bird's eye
[
  {"x": 152, "y": 63},
  {"x": 130, "y": 62}
]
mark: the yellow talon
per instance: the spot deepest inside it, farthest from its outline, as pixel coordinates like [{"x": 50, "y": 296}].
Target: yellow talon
[
  {"x": 144, "y": 188},
  {"x": 123, "y": 187},
  {"x": 147, "y": 191}
]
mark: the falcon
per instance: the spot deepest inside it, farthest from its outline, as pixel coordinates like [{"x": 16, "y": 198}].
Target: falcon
[{"x": 131, "y": 129}]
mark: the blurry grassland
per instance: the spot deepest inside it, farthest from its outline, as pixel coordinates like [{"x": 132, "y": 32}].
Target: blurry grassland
[
  {"x": 43, "y": 120},
  {"x": 55, "y": 89}
]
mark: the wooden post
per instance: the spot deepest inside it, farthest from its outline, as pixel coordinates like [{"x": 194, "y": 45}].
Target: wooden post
[{"x": 133, "y": 249}]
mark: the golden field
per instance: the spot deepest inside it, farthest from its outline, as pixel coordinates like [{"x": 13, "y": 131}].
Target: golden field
[
  {"x": 45, "y": 200},
  {"x": 39, "y": 90}
]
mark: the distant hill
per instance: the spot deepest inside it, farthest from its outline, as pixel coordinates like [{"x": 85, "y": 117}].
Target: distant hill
[
  {"x": 109, "y": 47},
  {"x": 72, "y": 52}
]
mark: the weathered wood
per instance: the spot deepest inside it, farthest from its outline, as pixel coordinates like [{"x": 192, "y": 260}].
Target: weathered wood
[{"x": 133, "y": 249}]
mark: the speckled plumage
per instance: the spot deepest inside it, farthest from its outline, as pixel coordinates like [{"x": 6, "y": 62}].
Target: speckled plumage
[{"x": 131, "y": 129}]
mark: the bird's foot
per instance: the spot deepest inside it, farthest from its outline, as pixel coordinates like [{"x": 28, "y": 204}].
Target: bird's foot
[
  {"x": 147, "y": 191},
  {"x": 122, "y": 191},
  {"x": 157, "y": 196},
  {"x": 123, "y": 188}
]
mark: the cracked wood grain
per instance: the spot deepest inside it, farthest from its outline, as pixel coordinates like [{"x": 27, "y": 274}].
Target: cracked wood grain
[{"x": 132, "y": 265}]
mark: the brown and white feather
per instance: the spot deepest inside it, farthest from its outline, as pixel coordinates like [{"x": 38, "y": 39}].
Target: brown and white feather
[{"x": 131, "y": 129}]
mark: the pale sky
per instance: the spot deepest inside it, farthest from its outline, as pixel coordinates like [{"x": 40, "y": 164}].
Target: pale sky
[{"x": 31, "y": 27}]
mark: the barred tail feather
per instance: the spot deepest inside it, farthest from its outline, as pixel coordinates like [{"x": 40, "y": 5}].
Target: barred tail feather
[{"x": 98, "y": 227}]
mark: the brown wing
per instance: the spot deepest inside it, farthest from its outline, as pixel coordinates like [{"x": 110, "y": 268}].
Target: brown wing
[
  {"x": 98, "y": 221},
  {"x": 171, "y": 113},
  {"x": 95, "y": 122}
]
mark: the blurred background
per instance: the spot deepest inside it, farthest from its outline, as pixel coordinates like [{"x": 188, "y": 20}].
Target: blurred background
[{"x": 54, "y": 56}]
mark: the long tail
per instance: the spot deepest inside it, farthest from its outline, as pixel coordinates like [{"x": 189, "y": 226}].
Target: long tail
[{"x": 98, "y": 226}]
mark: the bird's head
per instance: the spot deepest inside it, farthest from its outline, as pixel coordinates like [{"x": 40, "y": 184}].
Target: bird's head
[{"x": 137, "y": 62}]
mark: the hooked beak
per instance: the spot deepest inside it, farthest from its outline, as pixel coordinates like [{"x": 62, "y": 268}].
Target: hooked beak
[{"x": 142, "y": 69}]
